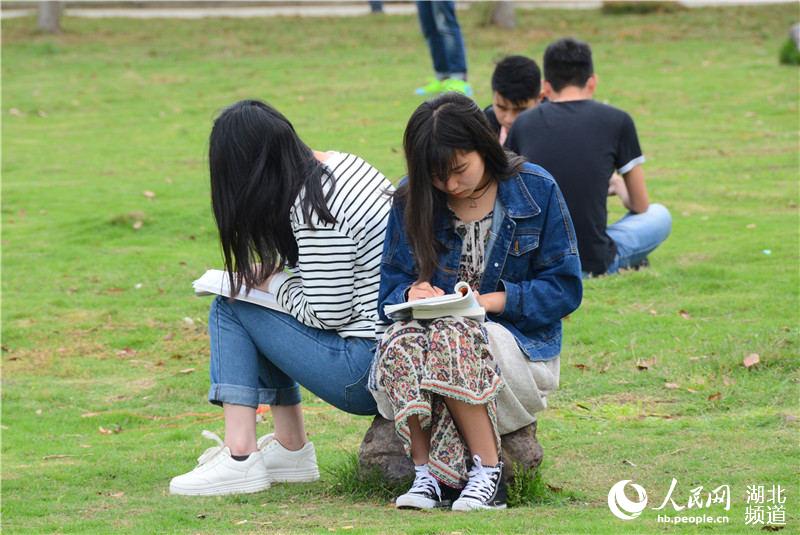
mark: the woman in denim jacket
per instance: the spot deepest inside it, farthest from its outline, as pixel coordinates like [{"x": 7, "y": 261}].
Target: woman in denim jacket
[{"x": 467, "y": 211}]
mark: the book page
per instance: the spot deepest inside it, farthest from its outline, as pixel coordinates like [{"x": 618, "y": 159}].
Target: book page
[
  {"x": 215, "y": 281},
  {"x": 462, "y": 302}
]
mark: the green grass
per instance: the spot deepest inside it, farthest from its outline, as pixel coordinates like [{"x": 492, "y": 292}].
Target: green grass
[{"x": 93, "y": 118}]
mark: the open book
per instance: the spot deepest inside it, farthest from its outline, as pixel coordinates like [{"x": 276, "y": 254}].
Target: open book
[
  {"x": 215, "y": 281},
  {"x": 462, "y": 302}
]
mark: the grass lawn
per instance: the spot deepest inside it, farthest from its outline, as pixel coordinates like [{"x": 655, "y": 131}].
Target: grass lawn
[{"x": 104, "y": 366}]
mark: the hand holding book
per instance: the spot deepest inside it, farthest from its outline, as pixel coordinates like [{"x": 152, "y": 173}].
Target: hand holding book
[
  {"x": 462, "y": 302},
  {"x": 423, "y": 290},
  {"x": 493, "y": 302}
]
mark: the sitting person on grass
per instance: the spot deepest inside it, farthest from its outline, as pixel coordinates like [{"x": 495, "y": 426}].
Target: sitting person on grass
[
  {"x": 277, "y": 204},
  {"x": 582, "y": 142},
  {"x": 468, "y": 211},
  {"x": 516, "y": 87}
]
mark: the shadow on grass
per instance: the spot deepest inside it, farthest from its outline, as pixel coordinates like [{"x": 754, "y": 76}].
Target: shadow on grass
[{"x": 528, "y": 487}]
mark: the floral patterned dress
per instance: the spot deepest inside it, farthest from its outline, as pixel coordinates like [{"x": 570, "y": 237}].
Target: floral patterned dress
[{"x": 420, "y": 363}]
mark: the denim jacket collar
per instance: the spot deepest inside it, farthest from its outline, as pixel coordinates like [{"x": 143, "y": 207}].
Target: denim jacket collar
[{"x": 517, "y": 200}]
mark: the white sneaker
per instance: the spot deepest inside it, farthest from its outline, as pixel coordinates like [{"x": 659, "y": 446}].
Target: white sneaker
[
  {"x": 218, "y": 473},
  {"x": 286, "y": 466}
]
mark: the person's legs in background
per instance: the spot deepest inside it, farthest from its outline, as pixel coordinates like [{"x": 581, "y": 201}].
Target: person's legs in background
[
  {"x": 637, "y": 235},
  {"x": 446, "y": 44}
]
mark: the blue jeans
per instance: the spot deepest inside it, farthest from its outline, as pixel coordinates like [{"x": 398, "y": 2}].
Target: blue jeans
[
  {"x": 637, "y": 235},
  {"x": 443, "y": 34},
  {"x": 258, "y": 356}
]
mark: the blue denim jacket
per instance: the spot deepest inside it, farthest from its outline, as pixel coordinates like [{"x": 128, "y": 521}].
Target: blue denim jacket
[{"x": 532, "y": 256}]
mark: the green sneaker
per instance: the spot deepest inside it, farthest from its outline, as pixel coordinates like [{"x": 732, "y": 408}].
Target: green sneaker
[
  {"x": 433, "y": 88},
  {"x": 459, "y": 86}
]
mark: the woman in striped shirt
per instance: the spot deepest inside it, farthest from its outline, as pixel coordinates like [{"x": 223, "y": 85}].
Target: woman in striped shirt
[{"x": 308, "y": 227}]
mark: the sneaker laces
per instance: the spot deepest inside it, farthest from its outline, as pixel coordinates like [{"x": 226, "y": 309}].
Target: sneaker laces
[
  {"x": 481, "y": 484},
  {"x": 266, "y": 439},
  {"x": 424, "y": 482},
  {"x": 212, "y": 452}
]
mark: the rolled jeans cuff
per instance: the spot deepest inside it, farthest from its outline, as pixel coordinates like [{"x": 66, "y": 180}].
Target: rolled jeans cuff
[{"x": 253, "y": 397}]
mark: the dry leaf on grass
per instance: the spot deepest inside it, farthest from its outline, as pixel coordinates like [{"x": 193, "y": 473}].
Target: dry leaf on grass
[
  {"x": 137, "y": 225},
  {"x": 751, "y": 360},
  {"x": 114, "y": 430},
  {"x": 685, "y": 315},
  {"x": 716, "y": 396},
  {"x": 645, "y": 364},
  {"x": 582, "y": 367},
  {"x": 186, "y": 370},
  {"x": 629, "y": 463},
  {"x": 671, "y": 386},
  {"x": 59, "y": 456},
  {"x": 149, "y": 194}
]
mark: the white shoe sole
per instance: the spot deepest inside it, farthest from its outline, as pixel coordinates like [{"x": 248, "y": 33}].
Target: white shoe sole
[
  {"x": 460, "y": 505},
  {"x": 291, "y": 475},
  {"x": 409, "y": 501},
  {"x": 220, "y": 489}
]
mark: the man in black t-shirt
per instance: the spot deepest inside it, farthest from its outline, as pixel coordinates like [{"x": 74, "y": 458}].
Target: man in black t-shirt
[{"x": 582, "y": 142}]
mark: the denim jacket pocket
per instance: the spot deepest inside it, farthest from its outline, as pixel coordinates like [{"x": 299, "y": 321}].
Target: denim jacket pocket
[{"x": 523, "y": 243}]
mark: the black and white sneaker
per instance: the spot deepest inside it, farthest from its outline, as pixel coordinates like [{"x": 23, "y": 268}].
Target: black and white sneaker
[
  {"x": 424, "y": 493},
  {"x": 485, "y": 488}
]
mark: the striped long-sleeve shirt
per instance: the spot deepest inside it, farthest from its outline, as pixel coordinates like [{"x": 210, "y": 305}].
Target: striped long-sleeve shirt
[{"x": 335, "y": 283}]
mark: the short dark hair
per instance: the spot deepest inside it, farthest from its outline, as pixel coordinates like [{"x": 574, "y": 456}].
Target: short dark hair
[
  {"x": 517, "y": 78},
  {"x": 435, "y": 133},
  {"x": 568, "y": 62}
]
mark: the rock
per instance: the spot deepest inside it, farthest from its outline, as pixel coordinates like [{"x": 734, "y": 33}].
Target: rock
[
  {"x": 521, "y": 448},
  {"x": 382, "y": 450}
]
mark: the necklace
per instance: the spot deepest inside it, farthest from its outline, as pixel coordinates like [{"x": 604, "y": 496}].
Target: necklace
[{"x": 484, "y": 189}]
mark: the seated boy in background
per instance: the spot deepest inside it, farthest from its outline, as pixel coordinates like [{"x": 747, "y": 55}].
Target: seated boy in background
[
  {"x": 516, "y": 87},
  {"x": 582, "y": 142}
]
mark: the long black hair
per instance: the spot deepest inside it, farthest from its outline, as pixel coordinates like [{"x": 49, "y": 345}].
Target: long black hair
[
  {"x": 258, "y": 168},
  {"x": 435, "y": 133}
]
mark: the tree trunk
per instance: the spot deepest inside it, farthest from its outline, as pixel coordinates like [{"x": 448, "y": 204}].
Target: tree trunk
[
  {"x": 50, "y": 17},
  {"x": 503, "y": 15}
]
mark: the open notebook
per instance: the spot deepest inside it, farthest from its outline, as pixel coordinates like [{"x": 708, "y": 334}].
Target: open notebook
[
  {"x": 462, "y": 302},
  {"x": 215, "y": 281}
]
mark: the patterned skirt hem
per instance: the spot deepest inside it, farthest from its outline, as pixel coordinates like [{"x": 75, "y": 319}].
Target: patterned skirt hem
[{"x": 448, "y": 390}]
